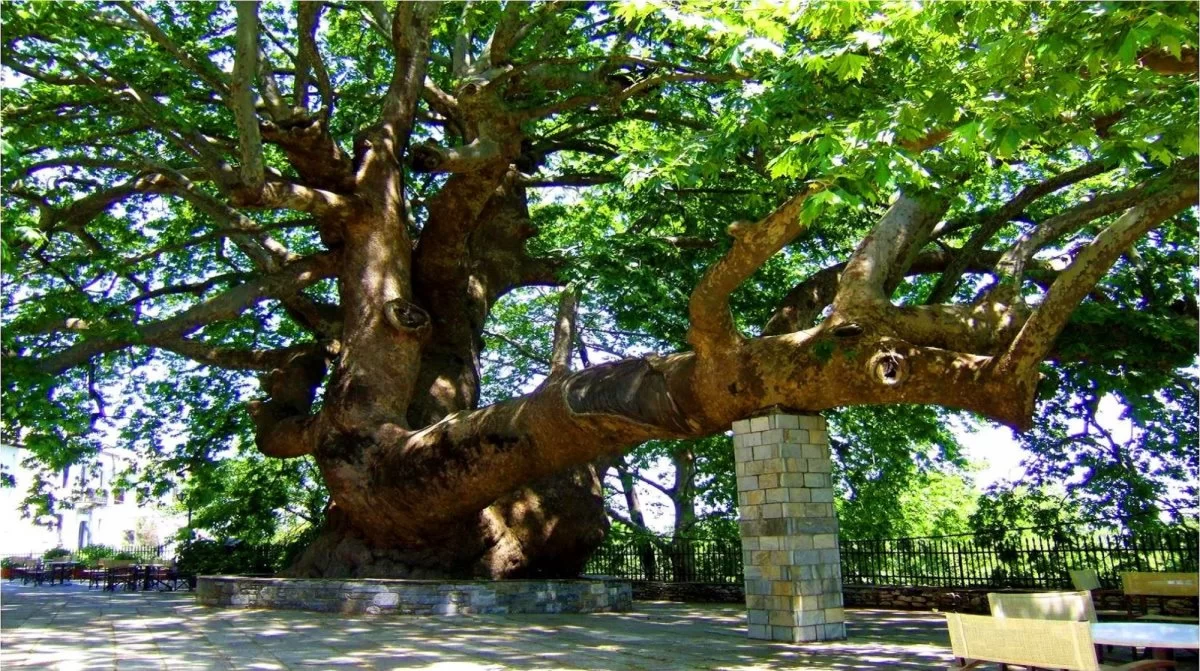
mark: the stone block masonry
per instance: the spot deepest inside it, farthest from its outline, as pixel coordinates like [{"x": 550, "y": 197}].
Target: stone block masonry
[
  {"x": 788, "y": 528},
  {"x": 417, "y": 597}
]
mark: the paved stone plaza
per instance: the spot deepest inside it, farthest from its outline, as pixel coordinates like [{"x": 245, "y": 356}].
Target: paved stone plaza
[{"x": 71, "y": 628}]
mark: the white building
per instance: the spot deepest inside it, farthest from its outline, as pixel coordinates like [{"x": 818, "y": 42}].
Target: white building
[{"x": 99, "y": 516}]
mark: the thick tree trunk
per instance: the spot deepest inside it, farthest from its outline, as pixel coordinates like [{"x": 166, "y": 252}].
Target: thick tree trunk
[
  {"x": 546, "y": 529},
  {"x": 549, "y": 527}
]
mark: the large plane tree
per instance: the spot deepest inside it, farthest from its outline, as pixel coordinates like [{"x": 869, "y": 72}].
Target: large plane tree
[{"x": 944, "y": 201}]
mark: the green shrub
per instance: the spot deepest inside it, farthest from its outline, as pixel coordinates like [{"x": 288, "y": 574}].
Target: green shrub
[
  {"x": 56, "y": 553},
  {"x": 90, "y": 554},
  {"x": 208, "y": 557},
  {"x": 125, "y": 555}
]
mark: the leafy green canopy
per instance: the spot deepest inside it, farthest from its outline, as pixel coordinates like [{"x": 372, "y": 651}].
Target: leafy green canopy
[{"x": 973, "y": 100}]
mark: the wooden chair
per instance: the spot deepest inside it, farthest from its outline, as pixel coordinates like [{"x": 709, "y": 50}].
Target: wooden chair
[
  {"x": 165, "y": 575},
  {"x": 119, "y": 572},
  {"x": 20, "y": 567},
  {"x": 95, "y": 574},
  {"x": 30, "y": 569},
  {"x": 1045, "y": 644},
  {"x": 1071, "y": 606},
  {"x": 1139, "y": 585}
]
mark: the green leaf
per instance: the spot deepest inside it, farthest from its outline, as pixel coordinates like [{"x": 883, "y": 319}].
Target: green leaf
[
  {"x": 1172, "y": 44},
  {"x": 849, "y": 66}
]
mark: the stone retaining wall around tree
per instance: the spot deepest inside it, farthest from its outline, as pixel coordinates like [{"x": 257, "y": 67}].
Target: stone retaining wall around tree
[{"x": 417, "y": 597}]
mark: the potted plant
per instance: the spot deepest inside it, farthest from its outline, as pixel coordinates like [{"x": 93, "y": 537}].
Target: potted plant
[{"x": 6, "y": 568}]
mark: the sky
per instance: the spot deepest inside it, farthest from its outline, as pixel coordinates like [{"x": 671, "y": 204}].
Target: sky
[{"x": 994, "y": 449}]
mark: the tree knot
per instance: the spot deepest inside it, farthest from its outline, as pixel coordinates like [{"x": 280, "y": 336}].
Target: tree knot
[
  {"x": 426, "y": 157},
  {"x": 888, "y": 367},
  {"x": 407, "y": 317}
]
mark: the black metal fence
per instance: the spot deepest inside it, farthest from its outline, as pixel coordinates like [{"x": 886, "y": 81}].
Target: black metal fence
[
  {"x": 1035, "y": 558},
  {"x": 138, "y": 552},
  {"x": 1028, "y": 558},
  {"x": 670, "y": 560}
]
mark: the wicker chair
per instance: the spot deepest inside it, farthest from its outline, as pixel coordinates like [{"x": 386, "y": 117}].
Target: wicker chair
[
  {"x": 1072, "y": 606},
  {"x": 1045, "y": 644}
]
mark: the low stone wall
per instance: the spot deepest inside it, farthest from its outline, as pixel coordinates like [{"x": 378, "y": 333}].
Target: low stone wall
[
  {"x": 694, "y": 592},
  {"x": 417, "y": 597},
  {"x": 916, "y": 598},
  {"x": 969, "y": 600},
  {"x": 975, "y": 600}
]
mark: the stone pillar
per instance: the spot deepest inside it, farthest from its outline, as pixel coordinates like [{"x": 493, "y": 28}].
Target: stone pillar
[{"x": 789, "y": 528}]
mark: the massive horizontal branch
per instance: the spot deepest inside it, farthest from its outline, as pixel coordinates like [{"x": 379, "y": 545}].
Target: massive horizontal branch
[{"x": 600, "y": 411}]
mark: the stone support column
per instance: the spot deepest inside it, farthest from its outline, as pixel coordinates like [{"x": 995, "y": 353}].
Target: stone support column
[{"x": 789, "y": 528}]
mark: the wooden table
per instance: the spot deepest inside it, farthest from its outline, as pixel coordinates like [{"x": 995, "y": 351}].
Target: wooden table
[{"x": 1153, "y": 635}]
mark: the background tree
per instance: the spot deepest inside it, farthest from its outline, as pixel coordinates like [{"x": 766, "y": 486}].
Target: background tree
[
  {"x": 830, "y": 205},
  {"x": 254, "y": 499}
]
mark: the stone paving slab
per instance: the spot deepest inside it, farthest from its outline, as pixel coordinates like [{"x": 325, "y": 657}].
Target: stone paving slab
[{"x": 69, "y": 627}]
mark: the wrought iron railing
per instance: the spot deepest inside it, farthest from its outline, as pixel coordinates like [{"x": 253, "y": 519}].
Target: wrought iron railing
[{"x": 1020, "y": 558}]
